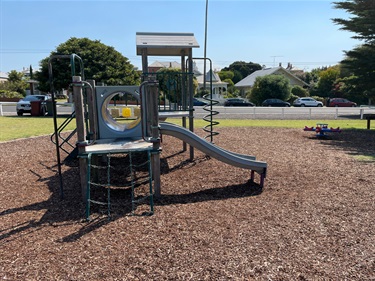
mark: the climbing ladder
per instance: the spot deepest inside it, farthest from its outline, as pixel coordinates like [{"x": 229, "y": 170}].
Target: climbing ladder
[
  {"x": 66, "y": 140},
  {"x": 128, "y": 174}
]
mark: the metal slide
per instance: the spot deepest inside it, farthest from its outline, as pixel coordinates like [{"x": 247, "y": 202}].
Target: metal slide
[{"x": 234, "y": 159}]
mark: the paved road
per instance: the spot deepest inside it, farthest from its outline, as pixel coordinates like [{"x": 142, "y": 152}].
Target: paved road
[
  {"x": 11, "y": 110},
  {"x": 257, "y": 112}
]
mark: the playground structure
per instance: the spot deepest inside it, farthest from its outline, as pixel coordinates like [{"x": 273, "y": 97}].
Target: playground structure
[
  {"x": 125, "y": 121},
  {"x": 322, "y": 129}
]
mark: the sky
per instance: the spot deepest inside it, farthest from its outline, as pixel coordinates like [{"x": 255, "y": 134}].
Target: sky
[{"x": 300, "y": 32}]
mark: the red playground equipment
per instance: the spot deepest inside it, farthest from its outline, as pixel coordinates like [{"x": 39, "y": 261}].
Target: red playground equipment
[{"x": 321, "y": 129}]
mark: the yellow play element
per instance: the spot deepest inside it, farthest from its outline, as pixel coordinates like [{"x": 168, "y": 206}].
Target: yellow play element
[{"x": 126, "y": 112}]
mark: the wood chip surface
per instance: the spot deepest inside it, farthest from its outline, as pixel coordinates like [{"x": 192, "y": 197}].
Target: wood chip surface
[{"x": 313, "y": 220}]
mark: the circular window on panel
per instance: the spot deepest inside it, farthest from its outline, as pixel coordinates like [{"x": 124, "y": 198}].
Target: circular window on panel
[{"x": 121, "y": 111}]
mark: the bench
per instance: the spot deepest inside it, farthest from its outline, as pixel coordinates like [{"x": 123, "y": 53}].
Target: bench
[{"x": 369, "y": 117}]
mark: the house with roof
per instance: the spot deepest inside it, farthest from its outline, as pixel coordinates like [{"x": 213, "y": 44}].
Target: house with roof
[
  {"x": 3, "y": 77},
  {"x": 156, "y": 65},
  {"x": 248, "y": 82},
  {"x": 218, "y": 87}
]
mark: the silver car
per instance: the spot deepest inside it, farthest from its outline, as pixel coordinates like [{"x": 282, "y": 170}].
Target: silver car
[
  {"x": 24, "y": 105},
  {"x": 307, "y": 102}
]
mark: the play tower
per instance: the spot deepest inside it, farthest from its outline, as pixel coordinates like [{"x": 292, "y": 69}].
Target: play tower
[{"x": 125, "y": 123}]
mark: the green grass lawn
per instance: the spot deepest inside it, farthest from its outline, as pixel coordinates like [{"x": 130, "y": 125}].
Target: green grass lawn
[{"x": 12, "y": 127}]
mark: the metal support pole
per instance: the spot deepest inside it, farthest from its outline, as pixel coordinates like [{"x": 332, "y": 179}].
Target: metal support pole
[
  {"x": 205, "y": 46},
  {"x": 54, "y": 110},
  {"x": 152, "y": 104},
  {"x": 81, "y": 135},
  {"x": 144, "y": 62},
  {"x": 191, "y": 94},
  {"x": 91, "y": 105},
  {"x": 252, "y": 175},
  {"x": 88, "y": 187},
  {"x": 184, "y": 95},
  {"x": 52, "y": 90}
]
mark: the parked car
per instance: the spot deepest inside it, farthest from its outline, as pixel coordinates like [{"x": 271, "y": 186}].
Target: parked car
[
  {"x": 237, "y": 102},
  {"x": 275, "y": 102},
  {"x": 24, "y": 105},
  {"x": 307, "y": 102},
  {"x": 197, "y": 102},
  {"x": 335, "y": 102}
]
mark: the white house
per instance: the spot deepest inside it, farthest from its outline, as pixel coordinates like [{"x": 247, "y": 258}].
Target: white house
[
  {"x": 248, "y": 82},
  {"x": 3, "y": 77},
  {"x": 218, "y": 87}
]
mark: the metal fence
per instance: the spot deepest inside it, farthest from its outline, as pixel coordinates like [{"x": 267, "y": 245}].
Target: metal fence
[
  {"x": 289, "y": 113},
  {"x": 259, "y": 112}
]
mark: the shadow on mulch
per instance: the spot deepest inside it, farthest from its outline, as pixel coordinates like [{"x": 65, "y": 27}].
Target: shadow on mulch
[
  {"x": 57, "y": 210},
  {"x": 165, "y": 168},
  {"x": 71, "y": 210},
  {"x": 355, "y": 142},
  {"x": 220, "y": 193}
]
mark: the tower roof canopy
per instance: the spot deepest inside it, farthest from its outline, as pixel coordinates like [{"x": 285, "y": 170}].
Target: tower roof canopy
[{"x": 165, "y": 44}]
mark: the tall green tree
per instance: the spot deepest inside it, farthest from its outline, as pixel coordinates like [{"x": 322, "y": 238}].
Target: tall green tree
[
  {"x": 362, "y": 23},
  {"x": 270, "y": 86},
  {"x": 101, "y": 62},
  {"x": 360, "y": 61},
  {"x": 242, "y": 69}
]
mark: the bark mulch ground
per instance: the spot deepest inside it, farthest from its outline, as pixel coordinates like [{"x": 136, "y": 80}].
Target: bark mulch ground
[{"x": 313, "y": 220}]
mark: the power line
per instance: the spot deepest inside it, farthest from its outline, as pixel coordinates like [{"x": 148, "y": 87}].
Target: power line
[{"x": 24, "y": 51}]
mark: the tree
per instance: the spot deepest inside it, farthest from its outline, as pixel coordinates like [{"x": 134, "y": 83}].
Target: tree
[
  {"x": 101, "y": 63},
  {"x": 362, "y": 23},
  {"x": 226, "y": 75},
  {"x": 229, "y": 81},
  {"x": 170, "y": 83},
  {"x": 270, "y": 86},
  {"x": 15, "y": 84},
  {"x": 360, "y": 61},
  {"x": 241, "y": 69},
  {"x": 326, "y": 82},
  {"x": 15, "y": 76},
  {"x": 298, "y": 91}
]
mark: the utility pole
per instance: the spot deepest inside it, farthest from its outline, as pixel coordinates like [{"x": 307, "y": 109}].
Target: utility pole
[{"x": 205, "y": 48}]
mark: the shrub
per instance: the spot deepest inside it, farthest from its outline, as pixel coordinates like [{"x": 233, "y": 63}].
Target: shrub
[
  {"x": 10, "y": 94},
  {"x": 299, "y": 91},
  {"x": 292, "y": 98},
  {"x": 319, "y": 99},
  {"x": 270, "y": 86}
]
